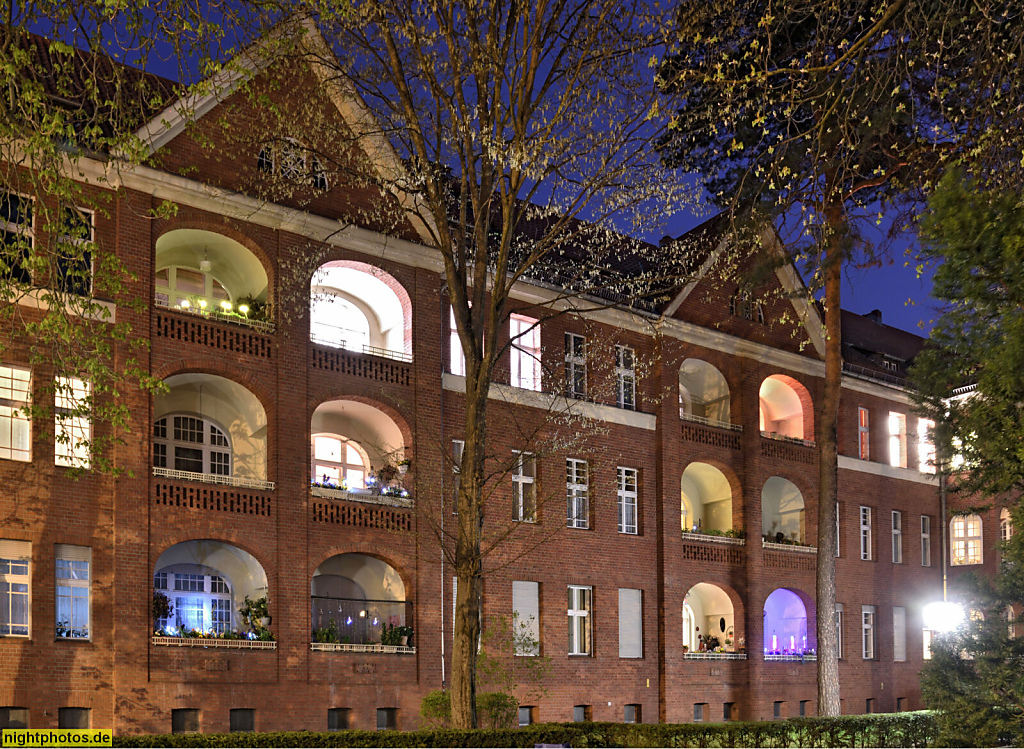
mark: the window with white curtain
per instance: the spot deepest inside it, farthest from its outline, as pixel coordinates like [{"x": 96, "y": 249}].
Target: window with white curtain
[
  {"x": 525, "y": 355},
  {"x": 15, "y": 587},
  {"x": 631, "y": 638},
  {"x": 899, "y": 633},
  {"x": 456, "y": 356},
  {"x": 577, "y": 493},
  {"x": 897, "y": 440},
  {"x": 526, "y": 617},
  {"x": 965, "y": 540},
  {"x": 625, "y": 377},
  {"x": 925, "y": 446},
  {"x": 865, "y": 533},
  {"x": 72, "y": 423},
  {"x": 15, "y": 424},
  {"x": 73, "y": 568},
  {"x": 580, "y": 624},
  {"x": 627, "y": 500},
  {"x": 868, "y": 631}
]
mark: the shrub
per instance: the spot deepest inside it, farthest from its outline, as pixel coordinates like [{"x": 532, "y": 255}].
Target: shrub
[
  {"x": 497, "y": 710},
  {"x": 436, "y": 709}
]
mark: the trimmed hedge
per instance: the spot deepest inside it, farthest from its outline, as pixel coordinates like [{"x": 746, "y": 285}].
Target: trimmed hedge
[{"x": 882, "y": 730}]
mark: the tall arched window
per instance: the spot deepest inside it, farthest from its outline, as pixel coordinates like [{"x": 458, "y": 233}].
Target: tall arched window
[
  {"x": 337, "y": 459},
  {"x": 689, "y": 627},
  {"x": 335, "y": 321},
  {"x": 184, "y": 442},
  {"x": 1005, "y": 525},
  {"x": 965, "y": 535}
]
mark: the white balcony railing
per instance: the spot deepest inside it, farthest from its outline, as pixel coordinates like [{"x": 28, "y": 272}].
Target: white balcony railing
[
  {"x": 211, "y": 642},
  {"x": 262, "y": 326},
  {"x": 710, "y": 422},
  {"x": 212, "y": 478},
  {"x": 707, "y": 538},
  {"x": 792, "y": 657},
  {"x": 334, "y": 342},
  {"x": 789, "y": 547},
  {"x": 714, "y": 656},
  {"x": 360, "y": 495},
  {"x": 348, "y": 647},
  {"x": 791, "y": 440}
]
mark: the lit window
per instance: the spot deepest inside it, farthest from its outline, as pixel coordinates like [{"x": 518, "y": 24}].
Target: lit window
[
  {"x": 15, "y": 582},
  {"x": 456, "y": 356},
  {"x": 190, "y": 289},
  {"x": 863, "y": 434},
  {"x": 72, "y": 567},
  {"x": 525, "y": 337},
  {"x": 1005, "y": 525},
  {"x": 925, "y": 445},
  {"x": 965, "y": 534},
  {"x": 926, "y": 641},
  {"x": 897, "y": 440},
  {"x": 524, "y": 487},
  {"x": 897, "y": 537},
  {"x": 576, "y": 494},
  {"x": 74, "y": 251},
  {"x": 868, "y": 631},
  {"x": 580, "y": 598},
  {"x": 690, "y": 642},
  {"x": 625, "y": 377},
  {"x": 865, "y": 533},
  {"x": 15, "y": 424},
  {"x": 202, "y": 600},
  {"x": 926, "y": 541},
  {"x": 191, "y": 443},
  {"x": 575, "y": 366},
  {"x": 72, "y": 422},
  {"x": 338, "y": 461},
  {"x": 16, "y": 237},
  {"x": 627, "y": 494}
]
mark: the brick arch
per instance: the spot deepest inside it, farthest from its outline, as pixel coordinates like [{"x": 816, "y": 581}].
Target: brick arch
[
  {"x": 334, "y": 551},
  {"x": 806, "y": 402},
  {"x": 392, "y": 413},
  {"x": 231, "y": 538},
  {"x": 229, "y": 230},
  {"x": 739, "y": 612},
  {"x": 229, "y": 371},
  {"x": 735, "y": 486},
  {"x": 809, "y": 610}
]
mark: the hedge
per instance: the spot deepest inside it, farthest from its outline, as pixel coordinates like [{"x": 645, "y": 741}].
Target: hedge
[{"x": 916, "y": 729}]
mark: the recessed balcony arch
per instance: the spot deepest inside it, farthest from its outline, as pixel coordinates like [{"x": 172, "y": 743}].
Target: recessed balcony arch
[
  {"x": 703, "y": 393},
  {"x": 708, "y": 615},
  {"x": 783, "y": 517},
  {"x": 706, "y": 500},
  {"x": 786, "y": 634},
  {"x": 211, "y": 429},
  {"x": 205, "y": 273},
  {"x": 355, "y": 600},
  {"x": 785, "y": 409},
  {"x": 359, "y": 307}
]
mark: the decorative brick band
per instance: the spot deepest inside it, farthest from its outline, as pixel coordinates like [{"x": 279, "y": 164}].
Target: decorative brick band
[
  {"x": 382, "y": 518},
  {"x": 204, "y": 332},
  {"x": 707, "y": 435},
  {"x": 240, "y": 501},
  {"x": 696, "y": 551},
  {"x": 787, "y": 561},
  {"x": 368, "y": 366},
  {"x": 778, "y": 450}
]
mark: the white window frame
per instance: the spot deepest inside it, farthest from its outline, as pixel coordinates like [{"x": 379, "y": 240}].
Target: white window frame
[
  {"x": 863, "y": 433},
  {"x": 868, "y": 616},
  {"x": 926, "y": 644},
  {"x": 171, "y": 296},
  {"x": 965, "y": 534},
  {"x": 628, "y": 483},
  {"x": 524, "y": 486},
  {"x": 72, "y": 576},
  {"x": 897, "y": 537},
  {"x": 865, "y": 533},
  {"x": 926, "y": 541},
  {"x": 456, "y": 355},
  {"x": 525, "y": 370},
  {"x": 1005, "y": 525},
  {"x": 575, "y": 366},
  {"x": 216, "y": 589},
  {"x": 353, "y": 474},
  {"x": 15, "y": 422},
  {"x": 899, "y": 634},
  {"x": 925, "y": 446},
  {"x": 897, "y": 440},
  {"x": 577, "y": 493},
  {"x": 625, "y": 377},
  {"x": 80, "y": 241},
  {"x": 840, "y": 612},
  {"x": 72, "y": 430},
  {"x": 580, "y": 615},
  {"x": 168, "y": 442},
  {"x": 13, "y": 227},
  {"x": 15, "y": 580}
]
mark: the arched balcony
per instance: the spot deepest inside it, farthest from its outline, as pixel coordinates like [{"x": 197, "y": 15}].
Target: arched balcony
[
  {"x": 786, "y": 634},
  {"x": 706, "y": 501},
  {"x": 783, "y": 518},
  {"x": 357, "y": 452},
  {"x": 358, "y": 603},
  {"x": 360, "y": 308},
  {"x": 204, "y": 273},
  {"x": 704, "y": 394},
  {"x": 785, "y": 410},
  {"x": 211, "y": 592},
  {"x": 709, "y": 625},
  {"x": 210, "y": 429}
]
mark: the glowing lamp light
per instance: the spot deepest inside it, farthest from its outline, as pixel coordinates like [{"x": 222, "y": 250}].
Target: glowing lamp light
[
  {"x": 243, "y": 308},
  {"x": 792, "y": 642},
  {"x": 775, "y": 642},
  {"x": 943, "y": 616},
  {"x": 202, "y": 303},
  {"x": 225, "y": 305},
  {"x": 184, "y": 304},
  {"x": 362, "y": 614},
  {"x": 349, "y": 621}
]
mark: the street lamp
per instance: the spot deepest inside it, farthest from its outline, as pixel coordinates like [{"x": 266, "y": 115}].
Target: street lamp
[{"x": 944, "y": 615}]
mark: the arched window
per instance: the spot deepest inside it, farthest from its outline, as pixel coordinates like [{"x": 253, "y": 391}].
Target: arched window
[
  {"x": 741, "y": 305},
  {"x": 337, "y": 460},
  {"x": 292, "y": 161},
  {"x": 1005, "y": 525},
  {"x": 689, "y": 626},
  {"x": 703, "y": 392},
  {"x": 184, "y": 442},
  {"x": 965, "y": 534},
  {"x": 201, "y": 599},
  {"x": 335, "y": 321},
  {"x": 189, "y": 288}
]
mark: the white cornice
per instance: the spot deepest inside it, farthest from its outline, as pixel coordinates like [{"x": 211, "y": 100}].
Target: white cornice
[{"x": 881, "y": 469}]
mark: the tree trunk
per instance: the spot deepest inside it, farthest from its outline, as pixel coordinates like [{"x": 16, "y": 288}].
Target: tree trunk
[{"x": 828, "y": 484}]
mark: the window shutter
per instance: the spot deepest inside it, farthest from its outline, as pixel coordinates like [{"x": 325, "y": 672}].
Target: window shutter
[
  {"x": 15, "y": 549},
  {"x": 73, "y": 553},
  {"x": 631, "y": 642},
  {"x": 899, "y": 633},
  {"x": 526, "y": 604}
]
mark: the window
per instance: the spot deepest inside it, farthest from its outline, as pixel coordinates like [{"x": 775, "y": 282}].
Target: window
[
  {"x": 869, "y": 705},
  {"x": 201, "y": 601},
  {"x": 575, "y": 366},
  {"x": 15, "y": 424},
  {"x": 926, "y": 541},
  {"x": 868, "y": 631},
  {"x": 72, "y": 422},
  {"x": 387, "y": 718},
  {"x": 74, "y": 251},
  {"x": 840, "y": 610},
  {"x": 899, "y": 634},
  {"x": 339, "y": 461},
  {"x": 729, "y": 711},
  {"x": 526, "y": 617},
  {"x": 525, "y": 337},
  {"x": 185, "y": 720},
  {"x": 16, "y": 237},
  {"x": 191, "y": 443},
  {"x": 456, "y": 356},
  {"x": 292, "y": 161},
  {"x": 901, "y": 704},
  {"x": 581, "y": 713},
  {"x": 838, "y": 536},
  {"x": 741, "y": 305},
  {"x": 242, "y": 720},
  {"x": 863, "y": 434},
  {"x": 15, "y": 581},
  {"x": 1005, "y": 525},
  {"x": 631, "y": 626},
  {"x": 625, "y": 378},
  {"x": 965, "y": 532},
  {"x": 13, "y": 717},
  {"x": 897, "y": 537},
  {"x": 190, "y": 289},
  {"x": 524, "y": 487},
  {"x": 526, "y": 715},
  {"x": 926, "y": 640},
  {"x": 73, "y": 565},
  {"x": 631, "y": 714},
  {"x": 698, "y": 712},
  {"x": 580, "y": 598},
  {"x": 779, "y": 709},
  {"x": 458, "y": 446},
  {"x": 865, "y": 533},
  {"x": 576, "y": 494},
  {"x": 925, "y": 446},
  {"x": 627, "y": 480},
  {"x": 897, "y": 440},
  {"x": 73, "y": 717},
  {"x": 690, "y": 641},
  {"x": 803, "y": 708}
]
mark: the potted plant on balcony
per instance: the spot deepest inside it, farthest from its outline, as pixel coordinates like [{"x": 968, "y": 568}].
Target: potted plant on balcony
[
  {"x": 162, "y": 609},
  {"x": 256, "y": 614},
  {"x": 403, "y": 466},
  {"x": 386, "y": 474}
]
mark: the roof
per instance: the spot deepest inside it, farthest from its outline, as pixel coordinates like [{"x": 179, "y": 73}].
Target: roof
[{"x": 874, "y": 349}]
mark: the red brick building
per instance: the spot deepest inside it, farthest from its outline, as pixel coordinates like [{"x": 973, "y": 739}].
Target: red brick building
[{"x": 698, "y": 468}]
